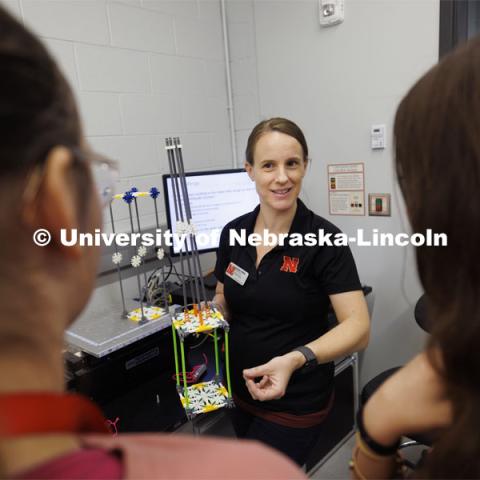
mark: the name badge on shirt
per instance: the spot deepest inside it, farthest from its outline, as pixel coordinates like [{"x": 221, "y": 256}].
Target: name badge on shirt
[{"x": 236, "y": 273}]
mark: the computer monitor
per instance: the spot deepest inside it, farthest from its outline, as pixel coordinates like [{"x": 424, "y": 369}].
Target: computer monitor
[{"x": 216, "y": 197}]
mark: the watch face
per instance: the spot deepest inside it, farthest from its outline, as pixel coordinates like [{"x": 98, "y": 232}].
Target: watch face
[
  {"x": 310, "y": 364},
  {"x": 310, "y": 359}
]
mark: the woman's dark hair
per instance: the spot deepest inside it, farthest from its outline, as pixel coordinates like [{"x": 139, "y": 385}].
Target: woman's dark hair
[
  {"x": 37, "y": 109},
  {"x": 276, "y": 124},
  {"x": 437, "y": 144}
]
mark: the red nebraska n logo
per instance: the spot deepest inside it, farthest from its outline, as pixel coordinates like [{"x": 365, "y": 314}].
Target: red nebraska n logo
[
  {"x": 230, "y": 269},
  {"x": 290, "y": 264}
]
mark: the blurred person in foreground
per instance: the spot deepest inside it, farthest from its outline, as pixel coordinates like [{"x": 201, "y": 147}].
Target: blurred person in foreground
[{"x": 437, "y": 156}]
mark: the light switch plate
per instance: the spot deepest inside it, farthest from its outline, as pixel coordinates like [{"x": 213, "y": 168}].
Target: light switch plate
[{"x": 379, "y": 204}]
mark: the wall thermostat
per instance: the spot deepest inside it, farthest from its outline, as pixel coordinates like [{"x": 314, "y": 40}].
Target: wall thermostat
[
  {"x": 331, "y": 12},
  {"x": 378, "y": 137}
]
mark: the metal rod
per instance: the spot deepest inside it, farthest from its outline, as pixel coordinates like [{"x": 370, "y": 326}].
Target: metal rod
[
  {"x": 183, "y": 180},
  {"x": 165, "y": 295},
  {"x": 140, "y": 231},
  {"x": 228, "y": 71},
  {"x": 217, "y": 365},
  {"x": 184, "y": 370},
  {"x": 227, "y": 364},
  {"x": 125, "y": 313},
  {"x": 182, "y": 216},
  {"x": 175, "y": 352},
  {"x": 197, "y": 275},
  {"x": 143, "y": 319},
  {"x": 356, "y": 387},
  {"x": 177, "y": 214},
  {"x": 156, "y": 212}
]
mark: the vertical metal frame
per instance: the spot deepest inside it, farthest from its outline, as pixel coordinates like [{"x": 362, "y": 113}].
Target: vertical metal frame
[
  {"x": 453, "y": 24},
  {"x": 347, "y": 362}
]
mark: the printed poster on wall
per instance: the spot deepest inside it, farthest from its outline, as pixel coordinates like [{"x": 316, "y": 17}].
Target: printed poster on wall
[{"x": 346, "y": 188}]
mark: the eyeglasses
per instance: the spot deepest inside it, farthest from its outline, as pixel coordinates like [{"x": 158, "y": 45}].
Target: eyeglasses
[{"x": 104, "y": 175}]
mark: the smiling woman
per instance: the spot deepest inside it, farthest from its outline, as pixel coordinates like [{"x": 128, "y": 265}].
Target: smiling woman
[
  {"x": 278, "y": 171},
  {"x": 282, "y": 351}
]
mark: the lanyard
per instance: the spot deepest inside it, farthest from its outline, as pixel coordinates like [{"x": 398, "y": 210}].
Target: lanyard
[{"x": 34, "y": 413}]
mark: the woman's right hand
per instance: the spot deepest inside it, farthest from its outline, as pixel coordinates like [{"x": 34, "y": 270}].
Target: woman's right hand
[{"x": 274, "y": 376}]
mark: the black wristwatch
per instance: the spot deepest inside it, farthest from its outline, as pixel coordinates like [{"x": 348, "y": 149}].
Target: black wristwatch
[{"x": 311, "y": 359}]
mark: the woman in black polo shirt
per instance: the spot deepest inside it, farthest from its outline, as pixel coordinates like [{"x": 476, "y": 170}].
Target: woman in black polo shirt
[{"x": 276, "y": 300}]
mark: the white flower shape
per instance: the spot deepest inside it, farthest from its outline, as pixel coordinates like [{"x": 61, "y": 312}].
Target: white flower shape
[
  {"x": 136, "y": 261},
  {"x": 117, "y": 258},
  {"x": 160, "y": 253},
  {"x": 142, "y": 251},
  {"x": 191, "y": 229},
  {"x": 181, "y": 228}
]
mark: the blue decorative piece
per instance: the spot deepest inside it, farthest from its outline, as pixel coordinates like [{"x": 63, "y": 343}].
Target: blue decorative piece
[
  {"x": 134, "y": 189},
  {"x": 128, "y": 197},
  {"x": 154, "y": 193}
]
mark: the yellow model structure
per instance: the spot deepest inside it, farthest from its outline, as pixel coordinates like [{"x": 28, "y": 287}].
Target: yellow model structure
[{"x": 205, "y": 396}]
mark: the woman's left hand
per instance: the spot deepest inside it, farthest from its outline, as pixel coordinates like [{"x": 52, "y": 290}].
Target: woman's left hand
[{"x": 275, "y": 376}]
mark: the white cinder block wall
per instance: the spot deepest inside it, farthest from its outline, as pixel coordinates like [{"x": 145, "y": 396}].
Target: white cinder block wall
[
  {"x": 243, "y": 64},
  {"x": 336, "y": 82},
  {"x": 141, "y": 70}
]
